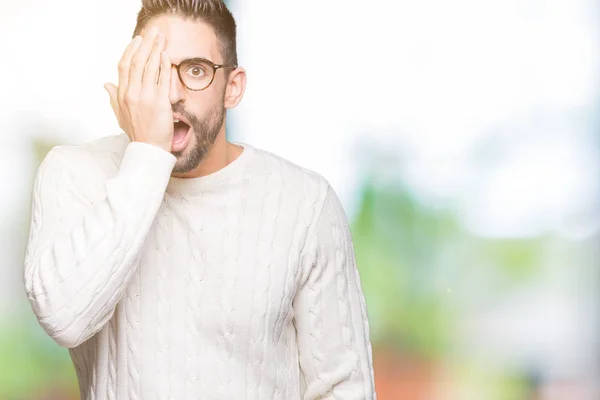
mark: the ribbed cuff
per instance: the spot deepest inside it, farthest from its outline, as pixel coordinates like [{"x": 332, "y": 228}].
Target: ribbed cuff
[{"x": 145, "y": 166}]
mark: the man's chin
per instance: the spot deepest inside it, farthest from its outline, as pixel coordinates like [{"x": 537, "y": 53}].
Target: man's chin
[
  {"x": 180, "y": 155},
  {"x": 182, "y": 167},
  {"x": 188, "y": 159}
]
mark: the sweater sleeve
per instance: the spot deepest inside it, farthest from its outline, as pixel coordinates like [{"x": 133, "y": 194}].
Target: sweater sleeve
[
  {"x": 330, "y": 312},
  {"x": 82, "y": 250}
]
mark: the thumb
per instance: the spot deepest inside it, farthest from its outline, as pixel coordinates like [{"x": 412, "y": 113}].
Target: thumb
[{"x": 112, "y": 93}]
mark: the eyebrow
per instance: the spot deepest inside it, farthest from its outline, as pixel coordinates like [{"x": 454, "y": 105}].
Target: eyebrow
[{"x": 190, "y": 58}]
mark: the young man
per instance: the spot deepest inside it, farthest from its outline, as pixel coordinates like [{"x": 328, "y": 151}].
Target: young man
[{"x": 176, "y": 265}]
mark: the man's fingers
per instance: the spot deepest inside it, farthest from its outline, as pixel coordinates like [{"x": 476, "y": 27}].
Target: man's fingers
[
  {"x": 165, "y": 74},
  {"x": 140, "y": 59},
  {"x": 150, "y": 80},
  {"x": 124, "y": 65}
]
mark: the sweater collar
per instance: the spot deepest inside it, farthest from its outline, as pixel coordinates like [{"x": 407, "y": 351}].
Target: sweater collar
[{"x": 183, "y": 186}]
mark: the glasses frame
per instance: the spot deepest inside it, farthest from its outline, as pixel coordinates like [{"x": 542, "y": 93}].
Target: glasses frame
[{"x": 214, "y": 66}]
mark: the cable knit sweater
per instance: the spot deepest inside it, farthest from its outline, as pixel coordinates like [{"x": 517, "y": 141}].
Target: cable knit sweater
[{"x": 241, "y": 284}]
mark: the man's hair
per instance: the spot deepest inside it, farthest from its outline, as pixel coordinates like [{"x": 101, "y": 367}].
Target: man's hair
[{"x": 212, "y": 12}]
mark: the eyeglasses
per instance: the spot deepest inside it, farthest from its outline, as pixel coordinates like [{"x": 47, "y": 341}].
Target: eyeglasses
[{"x": 198, "y": 73}]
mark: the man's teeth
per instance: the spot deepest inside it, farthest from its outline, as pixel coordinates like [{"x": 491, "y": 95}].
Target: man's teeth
[{"x": 176, "y": 120}]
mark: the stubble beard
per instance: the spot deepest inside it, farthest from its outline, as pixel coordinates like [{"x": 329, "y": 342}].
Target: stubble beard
[{"x": 205, "y": 132}]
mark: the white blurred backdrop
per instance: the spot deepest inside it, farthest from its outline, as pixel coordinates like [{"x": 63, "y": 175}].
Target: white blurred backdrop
[{"x": 488, "y": 108}]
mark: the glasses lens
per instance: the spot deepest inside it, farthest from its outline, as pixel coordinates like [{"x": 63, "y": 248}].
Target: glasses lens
[{"x": 196, "y": 75}]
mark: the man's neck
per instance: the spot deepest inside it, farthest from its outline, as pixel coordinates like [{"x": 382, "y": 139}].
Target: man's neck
[{"x": 221, "y": 154}]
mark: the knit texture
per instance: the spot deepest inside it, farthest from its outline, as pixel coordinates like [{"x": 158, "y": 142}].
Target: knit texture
[{"x": 241, "y": 284}]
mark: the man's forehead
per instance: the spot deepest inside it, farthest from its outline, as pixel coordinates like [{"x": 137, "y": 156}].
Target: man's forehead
[{"x": 186, "y": 38}]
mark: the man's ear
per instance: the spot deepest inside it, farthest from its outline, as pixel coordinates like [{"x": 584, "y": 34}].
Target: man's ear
[{"x": 236, "y": 85}]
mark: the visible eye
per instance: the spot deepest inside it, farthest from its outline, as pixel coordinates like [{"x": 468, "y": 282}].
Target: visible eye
[{"x": 196, "y": 71}]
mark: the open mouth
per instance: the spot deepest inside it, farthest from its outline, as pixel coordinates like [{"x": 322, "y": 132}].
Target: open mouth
[{"x": 180, "y": 135}]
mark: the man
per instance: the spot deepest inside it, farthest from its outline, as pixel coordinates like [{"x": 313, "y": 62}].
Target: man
[{"x": 176, "y": 265}]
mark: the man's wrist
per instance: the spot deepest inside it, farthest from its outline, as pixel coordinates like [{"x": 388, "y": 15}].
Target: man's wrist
[{"x": 164, "y": 146}]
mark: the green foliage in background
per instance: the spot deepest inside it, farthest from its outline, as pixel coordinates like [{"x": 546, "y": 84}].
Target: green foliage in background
[
  {"x": 396, "y": 242},
  {"x": 31, "y": 362},
  {"x": 417, "y": 263}
]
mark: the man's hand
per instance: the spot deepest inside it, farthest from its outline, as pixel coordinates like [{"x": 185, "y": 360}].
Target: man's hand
[{"x": 141, "y": 102}]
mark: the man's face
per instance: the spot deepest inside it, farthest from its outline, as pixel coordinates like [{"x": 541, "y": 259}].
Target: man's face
[{"x": 202, "y": 112}]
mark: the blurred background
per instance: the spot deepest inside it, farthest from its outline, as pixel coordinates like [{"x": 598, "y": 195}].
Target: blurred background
[{"x": 462, "y": 138}]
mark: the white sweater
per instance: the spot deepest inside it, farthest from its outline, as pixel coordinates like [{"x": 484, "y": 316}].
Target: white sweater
[{"x": 237, "y": 285}]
